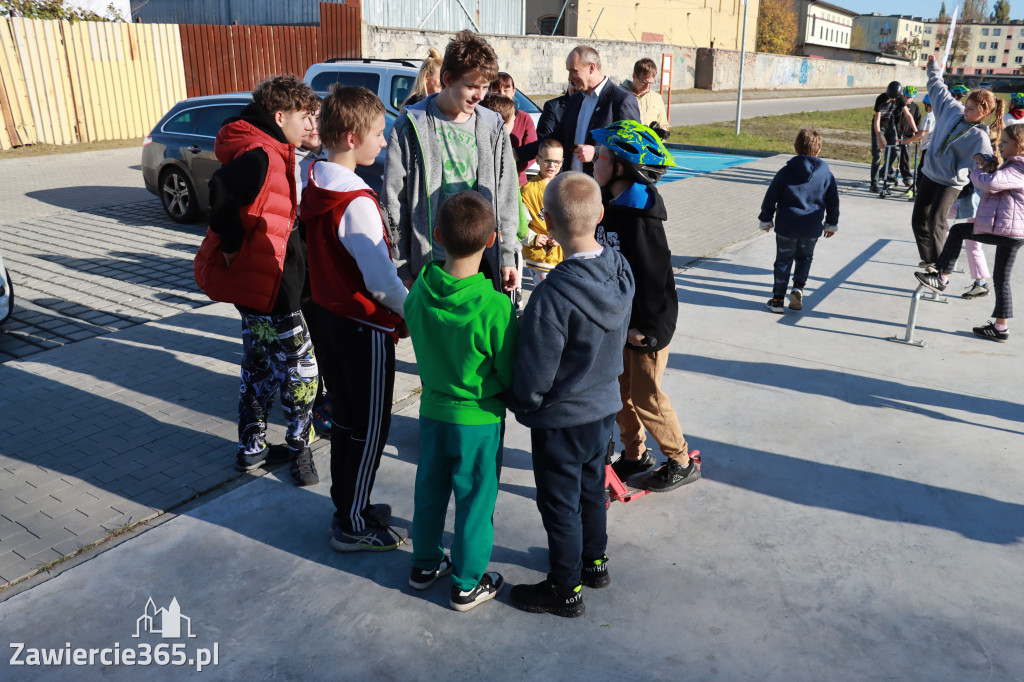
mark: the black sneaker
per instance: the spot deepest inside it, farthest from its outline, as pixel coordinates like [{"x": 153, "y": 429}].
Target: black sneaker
[
  {"x": 303, "y": 470},
  {"x": 930, "y": 280},
  {"x": 275, "y": 454},
  {"x": 673, "y": 474},
  {"x": 370, "y": 539},
  {"x": 775, "y": 305},
  {"x": 375, "y": 515},
  {"x": 990, "y": 332},
  {"x": 625, "y": 468},
  {"x": 595, "y": 573},
  {"x": 488, "y": 588},
  {"x": 422, "y": 578},
  {"x": 977, "y": 290},
  {"x": 546, "y": 598}
]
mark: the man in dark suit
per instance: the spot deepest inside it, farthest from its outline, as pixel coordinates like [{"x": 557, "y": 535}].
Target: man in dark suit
[{"x": 597, "y": 104}]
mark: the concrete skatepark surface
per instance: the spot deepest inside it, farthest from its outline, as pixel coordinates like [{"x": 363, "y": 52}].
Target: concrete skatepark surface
[{"x": 860, "y": 515}]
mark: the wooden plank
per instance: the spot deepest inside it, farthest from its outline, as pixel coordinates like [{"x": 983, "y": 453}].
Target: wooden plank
[
  {"x": 12, "y": 81},
  {"x": 132, "y": 66},
  {"x": 28, "y": 49}
]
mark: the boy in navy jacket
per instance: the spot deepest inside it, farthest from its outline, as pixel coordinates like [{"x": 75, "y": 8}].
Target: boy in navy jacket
[{"x": 802, "y": 194}]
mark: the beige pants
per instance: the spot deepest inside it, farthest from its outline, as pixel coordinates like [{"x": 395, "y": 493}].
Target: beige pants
[{"x": 646, "y": 406}]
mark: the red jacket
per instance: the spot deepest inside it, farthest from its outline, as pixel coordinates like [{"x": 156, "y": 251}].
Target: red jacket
[
  {"x": 336, "y": 281},
  {"x": 254, "y": 277}
]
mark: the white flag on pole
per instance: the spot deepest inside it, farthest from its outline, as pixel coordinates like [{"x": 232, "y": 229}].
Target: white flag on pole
[{"x": 949, "y": 37}]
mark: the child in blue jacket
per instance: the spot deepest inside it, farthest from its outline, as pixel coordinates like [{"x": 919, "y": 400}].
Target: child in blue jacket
[{"x": 802, "y": 194}]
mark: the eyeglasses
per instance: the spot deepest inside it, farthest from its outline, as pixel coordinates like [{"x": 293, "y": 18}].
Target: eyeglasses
[
  {"x": 648, "y": 83},
  {"x": 553, "y": 162}
]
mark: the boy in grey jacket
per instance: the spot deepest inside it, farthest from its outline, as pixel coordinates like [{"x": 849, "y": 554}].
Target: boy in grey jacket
[
  {"x": 442, "y": 146},
  {"x": 565, "y": 388}
]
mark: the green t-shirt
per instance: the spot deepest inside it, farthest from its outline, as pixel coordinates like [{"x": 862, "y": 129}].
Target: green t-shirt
[{"x": 459, "y": 158}]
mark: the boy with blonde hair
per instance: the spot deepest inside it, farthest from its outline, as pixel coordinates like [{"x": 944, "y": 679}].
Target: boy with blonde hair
[
  {"x": 355, "y": 284},
  {"x": 566, "y": 374},
  {"x": 541, "y": 251}
]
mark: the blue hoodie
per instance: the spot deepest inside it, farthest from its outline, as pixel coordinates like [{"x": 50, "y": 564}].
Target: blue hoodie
[
  {"x": 804, "y": 192},
  {"x": 570, "y": 344}
]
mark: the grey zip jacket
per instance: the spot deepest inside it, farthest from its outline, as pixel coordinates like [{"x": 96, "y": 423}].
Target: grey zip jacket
[
  {"x": 951, "y": 165},
  {"x": 412, "y": 187}
]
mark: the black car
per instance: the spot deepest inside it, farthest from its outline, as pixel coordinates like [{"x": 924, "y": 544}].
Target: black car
[{"x": 178, "y": 159}]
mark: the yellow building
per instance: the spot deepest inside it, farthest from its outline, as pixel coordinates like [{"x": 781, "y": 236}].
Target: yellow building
[{"x": 696, "y": 23}]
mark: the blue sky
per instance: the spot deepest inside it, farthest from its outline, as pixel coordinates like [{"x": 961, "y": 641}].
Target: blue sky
[{"x": 928, "y": 9}]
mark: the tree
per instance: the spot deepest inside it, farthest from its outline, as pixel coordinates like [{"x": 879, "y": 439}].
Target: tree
[
  {"x": 909, "y": 48},
  {"x": 974, "y": 10},
  {"x": 961, "y": 44},
  {"x": 776, "y": 27},
  {"x": 942, "y": 13},
  {"x": 1001, "y": 11},
  {"x": 55, "y": 9}
]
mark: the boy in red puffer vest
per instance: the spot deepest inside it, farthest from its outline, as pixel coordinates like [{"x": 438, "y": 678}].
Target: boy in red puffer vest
[
  {"x": 361, "y": 300},
  {"x": 254, "y": 256}
]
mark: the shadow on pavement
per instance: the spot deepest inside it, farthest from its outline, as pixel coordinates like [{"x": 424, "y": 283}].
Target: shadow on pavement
[{"x": 866, "y": 493}]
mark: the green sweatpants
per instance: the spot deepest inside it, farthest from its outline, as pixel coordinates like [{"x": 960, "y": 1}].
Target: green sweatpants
[{"x": 465, "y": 460}]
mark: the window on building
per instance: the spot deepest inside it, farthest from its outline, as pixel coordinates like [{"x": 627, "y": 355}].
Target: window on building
[
  {"x": 886, "y": 28},
  {"x": 984, "y": 31},
  {"x": 992, "y": 58},
  {"x": 994, "y": 46},
  {"x": 990, "y": 71},
  {"x": 547, "y": 24},
  {"x": 1018, "y": 60},
  {"x": 997, "y": 31},
  {"x": 1020, "y": 46},
  {"x": 981, "y": 46},
  {"x": 927, "y": 43},
  {"x": 928, "y": 29},
  {"x": 959, "y": 72}
]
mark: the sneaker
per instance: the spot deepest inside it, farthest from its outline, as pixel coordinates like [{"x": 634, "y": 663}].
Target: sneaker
[
  {"x": 626, "y": 468},
  {"x": 874, "y": 188},
  {"x": 990, "y": 332},
  {"x": 375, "y": 514},
  {"x": 488, "y": 588},
  {"x": 422, "y": 578},
  {"x": 796, "y": 299},
  {"x": 673, "y": 474},
  {"x": 370, "y": 539},
  {"x": 275, "y": 454},
  {"x": 595, "y": 573},
  {"x": 976, "y": 291},
  {"x": 547, "y": 598},
  {"x": 303, "y": 470},
  {"x": 775, "y": 305},
  {"x": 930, "y": 280}
]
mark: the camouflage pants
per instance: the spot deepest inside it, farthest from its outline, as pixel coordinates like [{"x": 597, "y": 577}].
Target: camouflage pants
[{"x": 277, "y": 355}]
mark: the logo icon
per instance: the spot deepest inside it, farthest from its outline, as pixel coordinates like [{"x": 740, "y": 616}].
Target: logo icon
[{"x": 164, "y": 622}]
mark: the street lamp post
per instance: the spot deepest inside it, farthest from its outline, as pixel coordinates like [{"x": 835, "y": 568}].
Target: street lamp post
[{"x": 743, "y": 49}]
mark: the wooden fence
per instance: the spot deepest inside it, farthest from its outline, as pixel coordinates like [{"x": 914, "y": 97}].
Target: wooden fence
[{"x": 64, "y": 82}]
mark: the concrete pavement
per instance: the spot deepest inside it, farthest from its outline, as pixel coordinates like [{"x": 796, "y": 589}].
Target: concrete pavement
[{"x": 860, "y": 516}]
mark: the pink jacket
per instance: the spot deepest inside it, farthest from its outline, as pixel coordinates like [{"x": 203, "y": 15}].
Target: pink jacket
[{"x": 1001, "y": 210}]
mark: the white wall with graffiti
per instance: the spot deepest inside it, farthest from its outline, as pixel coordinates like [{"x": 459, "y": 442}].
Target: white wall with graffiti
[{"x": 720, "y": 70}]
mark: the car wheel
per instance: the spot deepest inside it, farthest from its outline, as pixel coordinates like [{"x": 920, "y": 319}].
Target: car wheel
[
  {"x": 9, "y": 308},
  {"x": 178, "y": 196}
]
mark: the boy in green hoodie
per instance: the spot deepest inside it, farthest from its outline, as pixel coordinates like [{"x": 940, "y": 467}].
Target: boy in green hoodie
[{"x": 465, "y": 336}]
